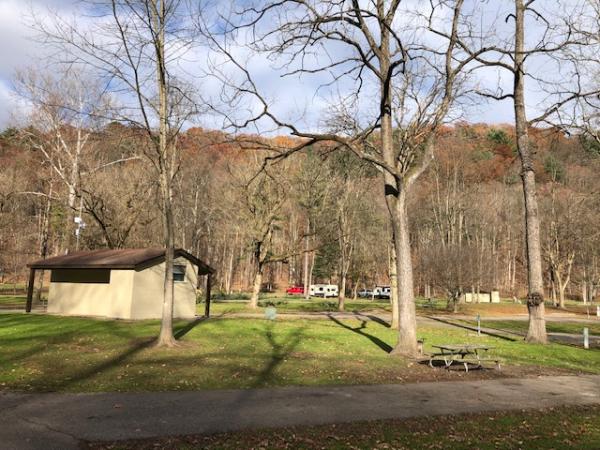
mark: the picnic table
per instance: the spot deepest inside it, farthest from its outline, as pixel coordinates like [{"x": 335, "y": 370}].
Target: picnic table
[{"x": 464, "y": 354}]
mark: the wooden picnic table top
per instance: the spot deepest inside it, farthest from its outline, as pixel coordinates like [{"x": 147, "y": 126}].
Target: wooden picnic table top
[{"x": 463, "y": 347}]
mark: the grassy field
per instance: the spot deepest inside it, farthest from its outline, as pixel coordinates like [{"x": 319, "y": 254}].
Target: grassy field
[
  {"x": 291, "y": 304},
  {"x": 11, "y": 286},
  {"x": 295, "y": 305},
  {"x": 557, "y": 429},
  {"x": 48, "y": 353},
  {"x": 12, "y": 301},
  {"x": 520, "y": 326}
]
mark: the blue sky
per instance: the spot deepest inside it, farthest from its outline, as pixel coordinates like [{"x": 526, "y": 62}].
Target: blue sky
[{"x": 293, "y": 97}]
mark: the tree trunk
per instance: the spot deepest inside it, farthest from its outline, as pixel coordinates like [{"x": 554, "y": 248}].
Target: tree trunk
[
  {"x": 306, "y": 262},
  {"x": 535, "y": 297},
  {"x": 567, "y": 279},
  {"x": 395, "y": 196},
  {"x": 342, "y": 295},
  {"x": 166, "y": 337},
  {"x": 394, "y": 286},
  {"x": 69, "y": 236},
  {"x": 44, "y": 236},
  {"x": 229, "y": 275},
  {"x": 407, "y": 319},
  {"x": 256, "y": 288},
  {"x": 584, "y": 288},
  {"x": 561, "y": 296}
]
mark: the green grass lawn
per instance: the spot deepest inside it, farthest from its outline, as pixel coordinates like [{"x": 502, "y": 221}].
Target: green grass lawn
[
  {"x": 11, "y": 300},
  {"x": 294, "y": 305},
  {"x": 520, "y": 326},
  {"x": 11, "y": 286},
  {"x": 556, "y": 429},
  {"x": 49, "y": 353}
]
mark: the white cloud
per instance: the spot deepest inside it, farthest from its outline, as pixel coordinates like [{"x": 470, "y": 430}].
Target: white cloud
[
  {"x": 19, "y": 49},
  {"x": 296, "y": 99}
]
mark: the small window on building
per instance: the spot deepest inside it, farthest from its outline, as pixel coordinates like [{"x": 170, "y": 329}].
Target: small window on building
[
  {"x": 178, "y": 273},
  {"x": 80, "y": 276}
]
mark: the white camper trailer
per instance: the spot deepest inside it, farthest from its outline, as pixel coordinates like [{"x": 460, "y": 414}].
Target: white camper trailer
[
  {"x": 382, "y": 292},
  {"x": 323, "y": 290}
]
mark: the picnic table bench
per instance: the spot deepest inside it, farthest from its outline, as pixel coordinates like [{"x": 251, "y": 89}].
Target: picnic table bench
[{"x": 464, "y": 354}]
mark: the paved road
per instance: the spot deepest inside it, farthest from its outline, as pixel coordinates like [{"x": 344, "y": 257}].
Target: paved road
[{"x": 61, "y": 421}]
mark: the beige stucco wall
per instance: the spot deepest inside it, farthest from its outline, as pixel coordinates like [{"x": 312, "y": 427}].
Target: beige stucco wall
[
  {"x": 129, "y": 295},
  {"x": 148, "y": 292},
  {"x": 94, "y": 299}
]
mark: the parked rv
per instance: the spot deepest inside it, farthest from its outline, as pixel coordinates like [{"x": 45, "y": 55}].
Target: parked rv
[
  {"x": 382, "y": 292},
  {"x": 323, "y": 290}
]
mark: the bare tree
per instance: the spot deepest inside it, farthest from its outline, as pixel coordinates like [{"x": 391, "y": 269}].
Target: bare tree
[
  {"x": 347, "y": 175},
  {"x": 311, "y": 194},
  {"x": 385, "y": 56},
  {"x": 260, "y": 198},
  {"x": 62, "y": 121},
  {"x": 134, "y": 47},
  {"x": 543, "y": 33}
]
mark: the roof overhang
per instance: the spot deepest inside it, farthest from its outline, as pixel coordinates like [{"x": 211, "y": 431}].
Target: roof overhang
[{"x": 121, "y": 259}]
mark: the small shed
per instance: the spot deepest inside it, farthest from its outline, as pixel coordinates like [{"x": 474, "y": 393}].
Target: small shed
[{"x": 121, "y": 283}]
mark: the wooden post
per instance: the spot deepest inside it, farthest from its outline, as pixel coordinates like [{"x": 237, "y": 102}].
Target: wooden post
[
  {"x": 30, "y": 290},
  {"x": 207, "y": 306}
]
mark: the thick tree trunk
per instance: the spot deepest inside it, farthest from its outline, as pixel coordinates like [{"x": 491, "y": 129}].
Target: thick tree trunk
[
  {"x": 166, "y": 337},
  {"x": 256, "y": 289},
  {"x": 395, "y": 195},
  {"x": 535, "y": 297},
  {"x": 407, "y": 318}
]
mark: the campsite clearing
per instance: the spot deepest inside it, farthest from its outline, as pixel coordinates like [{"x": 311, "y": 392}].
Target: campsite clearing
[{"x": 49, "y": 353}]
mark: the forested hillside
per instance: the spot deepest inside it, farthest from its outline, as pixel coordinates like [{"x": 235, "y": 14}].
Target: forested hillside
[{"x": 315, "y": 216}]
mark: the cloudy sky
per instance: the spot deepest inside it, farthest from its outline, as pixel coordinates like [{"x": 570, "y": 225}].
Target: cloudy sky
[{"x": 19, "y": 50}]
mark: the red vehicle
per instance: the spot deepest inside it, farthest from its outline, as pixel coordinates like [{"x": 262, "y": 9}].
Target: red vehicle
[{"x": 295, "y": 290}]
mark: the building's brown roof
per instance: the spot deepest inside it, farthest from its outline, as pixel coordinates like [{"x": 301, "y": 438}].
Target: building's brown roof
[{"x": 129, "y": 258}]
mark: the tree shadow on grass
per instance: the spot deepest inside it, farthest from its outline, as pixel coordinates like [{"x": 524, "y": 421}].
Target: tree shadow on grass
[
  {"x": 180, "y": 332},
  {"x": 483, "y": 331},
  {"x": 360, "y": 331},
  {"x": 279, "y": 352},
  {"x": 139, "y": 345},
  {"x": 91, "y": 371},
  {"x": 373, "y": 318}
]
